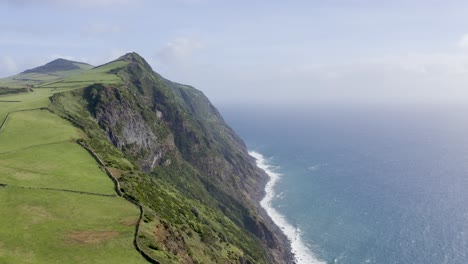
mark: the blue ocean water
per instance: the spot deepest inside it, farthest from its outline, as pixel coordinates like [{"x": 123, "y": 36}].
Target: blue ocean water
[{"x": 368, "y": 184}]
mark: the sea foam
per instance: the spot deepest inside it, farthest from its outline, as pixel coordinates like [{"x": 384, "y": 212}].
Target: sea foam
[{"x": 302, "y": 253}]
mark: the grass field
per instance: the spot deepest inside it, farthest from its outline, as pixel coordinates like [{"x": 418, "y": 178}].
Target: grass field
[
  {"x": 39, "y": 226},
  {"x": 99, "y": 74},
  {"x": 60, "y": 166},
  {"x": 40, "y": 77},
  {"x": 33, "y": 128},
  {"x": 37, "y": 150},
  {"x": 15, "y": 102}
]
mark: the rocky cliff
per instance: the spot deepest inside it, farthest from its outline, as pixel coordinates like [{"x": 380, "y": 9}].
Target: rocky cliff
[{"x": 173, "y": 152}]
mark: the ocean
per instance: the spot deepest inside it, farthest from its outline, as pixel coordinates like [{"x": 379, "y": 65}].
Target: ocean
[{"x": 364, "y": 184}]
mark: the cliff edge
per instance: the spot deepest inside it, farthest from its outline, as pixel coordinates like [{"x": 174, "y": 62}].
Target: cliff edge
[{"x": 171, "y": 150}]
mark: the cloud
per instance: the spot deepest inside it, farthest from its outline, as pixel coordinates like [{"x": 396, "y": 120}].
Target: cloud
[
  {"x": 79, "y": 3},
  {"x": 179, "y": 49},
  {"x": 7, "y": 65},
  {"x": 421, "y": 65},
  {"x": 463, "y": 42},
  {"x": 406, "y": 78},
  {"x": 423, "y": 77}
]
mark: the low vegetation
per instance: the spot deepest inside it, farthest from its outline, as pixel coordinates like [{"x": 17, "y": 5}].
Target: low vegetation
[
  {"x": 40, "y": 226},
  {"x": 166, "y": 144},
  {"x": 58, "y": 205}
]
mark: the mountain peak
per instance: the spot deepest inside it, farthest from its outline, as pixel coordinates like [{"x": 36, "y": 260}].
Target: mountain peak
[
  {"x": 135, "y": 58},
  {"x": 132, "y": 57},
  {"x": 59, "y": 65}
]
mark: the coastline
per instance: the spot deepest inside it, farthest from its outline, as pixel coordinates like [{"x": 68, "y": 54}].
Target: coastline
[{"x": 302, "y": 254}]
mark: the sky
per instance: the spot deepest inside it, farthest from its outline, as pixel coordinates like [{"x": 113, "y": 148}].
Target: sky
[{"x": 258, "y": 52}]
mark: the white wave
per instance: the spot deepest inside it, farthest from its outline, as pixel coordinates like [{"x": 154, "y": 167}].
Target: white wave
[
  {"x": 302, "y": 253},
  {"x": 314, "y": 168},
  {"x": 280, "y": 196}
]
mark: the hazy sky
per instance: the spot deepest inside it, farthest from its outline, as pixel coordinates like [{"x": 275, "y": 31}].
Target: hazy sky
[{"x": 258, "y": 51}]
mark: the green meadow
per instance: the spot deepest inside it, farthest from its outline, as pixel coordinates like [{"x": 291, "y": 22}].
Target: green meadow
[
  {"x": 34, "y": 128},
  {"x": 59, "y": 166},
  {"x": 15, "y": 102},
  {"x": 39, "y": 226},
  {"x": 40, "y": 162},
  {"x": 47, "y": 73},
  {"x": 99, "y": 74}
]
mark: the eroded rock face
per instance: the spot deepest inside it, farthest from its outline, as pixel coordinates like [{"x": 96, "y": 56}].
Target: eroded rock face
[{"x": 126, "y": 127}]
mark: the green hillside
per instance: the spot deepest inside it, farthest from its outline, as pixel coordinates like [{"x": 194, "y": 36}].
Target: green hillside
[
  {"x": 58, "y": 206},
  {"x": 167, "y": 146},
  {"x": 50, "y": 72}
]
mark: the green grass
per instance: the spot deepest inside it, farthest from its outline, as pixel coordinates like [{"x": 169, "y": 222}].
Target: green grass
[
  {"x": 45, "y": 226},
  {"x": 61, "y": 166},
  {"x": 71, "y": 79},
  {"x": 36, "y": 99},
  {"x": 54, "y": 227},
  {"x": 101, "y": 74},
  {"x": 33, "y": 128},
  {"x": 23, "y": 79},
  {"x": 175, "y": 233}
]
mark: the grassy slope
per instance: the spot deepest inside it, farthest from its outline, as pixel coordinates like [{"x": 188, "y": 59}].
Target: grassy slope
[
  {"x": 41, "y": 226},
  {"x": 36, "y": 99},
  {"x": 37, "y": 151},
  {"x": 96, "y": 75},
  {"x": 174, "y": 232},
  {"x": 177, "y": 228},
  {"x": 60, "y": 166},
  {"x": 33, "y": 128}
]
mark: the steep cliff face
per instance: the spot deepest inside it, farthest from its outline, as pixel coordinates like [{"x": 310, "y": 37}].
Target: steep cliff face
[
  {"x": 187, "y": 166},
  {"x": 131, "y": 130}
]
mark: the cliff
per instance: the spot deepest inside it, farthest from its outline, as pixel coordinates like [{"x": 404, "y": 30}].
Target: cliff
[{"x": 172, "y": 151}]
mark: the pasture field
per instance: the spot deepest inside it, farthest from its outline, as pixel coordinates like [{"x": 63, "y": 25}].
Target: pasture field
[
  {"x": 38, "y": 226},
  {"x": 58, "y": 165},
  {"x": 44, "y": 74},
  {"x": 41, "y": 221},
  {"x": 34, "y": 128},
  {"x": 15, "y": 102},
  {"x": 99, "y": 74}
]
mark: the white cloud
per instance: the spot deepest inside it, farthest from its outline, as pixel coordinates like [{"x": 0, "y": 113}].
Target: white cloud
[
  {"x": 179, "y": 49},
  {"x": 410, "y": 78},
  {"x": 463, "y": 42}
]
